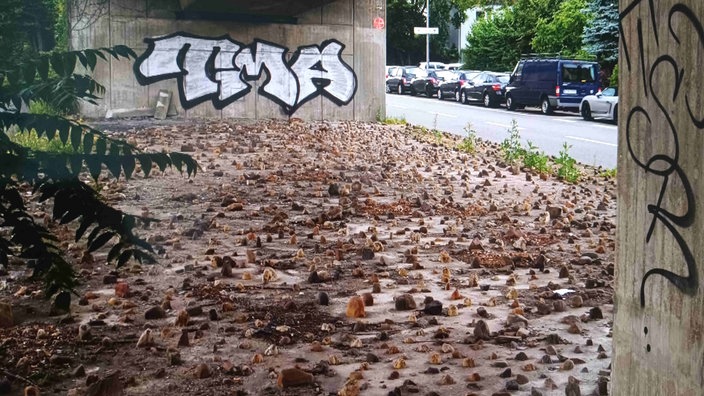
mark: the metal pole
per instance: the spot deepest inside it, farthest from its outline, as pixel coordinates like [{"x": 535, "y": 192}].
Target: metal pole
[{"x": 427, "y": 35}]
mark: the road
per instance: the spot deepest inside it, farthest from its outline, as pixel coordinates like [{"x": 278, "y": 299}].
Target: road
[{"x": 593, "y": 143}]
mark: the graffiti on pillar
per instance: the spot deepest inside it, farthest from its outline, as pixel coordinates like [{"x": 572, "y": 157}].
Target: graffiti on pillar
[
  {"x": 222, "y": 70},
  {"x": 660, "y": 96}
]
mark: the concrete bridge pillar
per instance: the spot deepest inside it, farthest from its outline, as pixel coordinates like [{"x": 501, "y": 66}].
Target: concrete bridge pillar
[{"x": 659, "y": 299}]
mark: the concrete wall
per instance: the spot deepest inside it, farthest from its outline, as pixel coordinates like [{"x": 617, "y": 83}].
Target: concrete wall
[
  {"x": 348, "y": 22},
  {"x": 659, "y": 323}
]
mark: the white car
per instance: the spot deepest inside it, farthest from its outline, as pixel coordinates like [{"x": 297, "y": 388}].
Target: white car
[{"x": 602, "y": 105}]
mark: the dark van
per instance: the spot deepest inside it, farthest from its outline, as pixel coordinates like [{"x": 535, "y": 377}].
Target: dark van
[{"x": 551, "y": 84}]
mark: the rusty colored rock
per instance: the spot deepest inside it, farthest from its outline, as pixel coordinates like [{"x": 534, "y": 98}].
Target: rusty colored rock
[{"x": 291, "y": 377}]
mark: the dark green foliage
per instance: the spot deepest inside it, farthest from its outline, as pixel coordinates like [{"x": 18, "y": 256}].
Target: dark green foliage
[
  {"x": 405, "y": 48},
  {"x": 28, "y": 27},
  {"x": 562, "y": 33},
  {"x": 601, "y": 33},
  {"x": 497, "y": 42},
  {"x": 494, "y": 43},
  {"x": 57, "y": 176}
]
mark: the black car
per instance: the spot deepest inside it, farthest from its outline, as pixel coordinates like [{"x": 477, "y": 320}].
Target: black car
[
  {"x": 485, "y": 87},
  {"x": 437, "y": 77},
  {"x": 451, "y": 88},
  {"x": 406, "y": 79}
]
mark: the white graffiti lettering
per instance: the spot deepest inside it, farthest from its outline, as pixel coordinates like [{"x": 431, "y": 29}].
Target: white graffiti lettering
[{"x": 221, "y": 69}]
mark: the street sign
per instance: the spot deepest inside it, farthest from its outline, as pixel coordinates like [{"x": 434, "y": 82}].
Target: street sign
[{"x": 424, "y": 30}]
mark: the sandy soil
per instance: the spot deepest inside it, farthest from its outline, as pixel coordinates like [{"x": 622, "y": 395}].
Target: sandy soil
[{"x": 298, "y": 210}]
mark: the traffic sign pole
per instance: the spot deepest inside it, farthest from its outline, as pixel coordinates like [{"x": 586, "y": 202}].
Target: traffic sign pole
[{"x": 427, "y": 35}]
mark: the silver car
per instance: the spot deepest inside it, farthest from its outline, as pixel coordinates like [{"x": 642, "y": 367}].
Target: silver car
[{"x": 603, "y": 105}]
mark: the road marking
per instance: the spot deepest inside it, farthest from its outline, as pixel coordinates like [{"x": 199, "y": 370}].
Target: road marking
[
  {"x": 500, "y": 125},
  {"x": 611, "y": 127},
  {"x": 563, "y": 120},
  {"x": 445, "y": 115},
  {"x": 592, "y": 141}
]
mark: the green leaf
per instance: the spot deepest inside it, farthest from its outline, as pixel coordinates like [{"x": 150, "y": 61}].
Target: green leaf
[
  {"x": 76, "y": 164},
  {"x": 114, "y": 148},
  {"x": 115, "y": 251},
  {"x": 125, "y": 51},
  {"x": 88, "y": 143},
  {"x": 76, "y": 136},
  {"x": 162, "y": 160},
  {"x": 57, "y": 63},
  {"x": 70, "y": 62},
  {"x": 100, "y": 146},
  {"x": 128, "y": 165},
  {"x": 63, "y": 134},
  {"x": 82, "y": 58},
  {"x": 91, "y": 59},
  {"x": 86, "y": 221},
  {"x": 177, "y": 161},
  {"x": 124, "y": 257},
  {"x": 94, "y": 166},
  {"x": 100, "y": 241},
  {"x": 113, "y": 164},
  {"x": 146, "y": 162}
]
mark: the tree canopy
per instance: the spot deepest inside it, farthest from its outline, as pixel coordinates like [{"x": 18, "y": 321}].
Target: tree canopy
[
  {"x": 562, "y": 32},
  {"x": 404, "y": 47},
  {"x": 572, "y": 28},
  {"x": 601, "y": 33}
]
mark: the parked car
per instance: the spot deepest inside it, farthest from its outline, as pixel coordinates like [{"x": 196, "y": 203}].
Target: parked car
[
  {"x": 485, "y": 87},
  {"x": 451, "y": 88},
  {"x": 454, "y": 66},
  {"x": 389, "y": 71},
  {"x": 551, "y": 84},
  {"x": 402, "y": 80},
  {"x": 435, "y": 78},
  {"x": 602, "y": 105},
  {"x": 432, "y": 65}
]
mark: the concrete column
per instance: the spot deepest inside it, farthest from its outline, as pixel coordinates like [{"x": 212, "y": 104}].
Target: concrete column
[
  {"x": 659, "y": 299},
  {"x": 369, "y": 60}
]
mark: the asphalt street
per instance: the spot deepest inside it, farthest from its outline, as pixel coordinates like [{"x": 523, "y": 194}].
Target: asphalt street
[{"x": 593, "y": 142}]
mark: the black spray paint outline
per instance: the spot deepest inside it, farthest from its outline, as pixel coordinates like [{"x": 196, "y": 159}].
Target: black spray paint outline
[
  {"x": 688, "y": 285},
  {"x": 245, "y": 77}
]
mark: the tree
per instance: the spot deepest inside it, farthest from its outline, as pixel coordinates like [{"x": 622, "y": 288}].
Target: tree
[
  {"x": 562, "y": 33},
  {"x": 493, "y": 43},
  {"x": 63, "y": 176},
  {"x": 403, "y": 47},
  {"x": 497, "y": 42},
  {"x": 601, "y": 32}
]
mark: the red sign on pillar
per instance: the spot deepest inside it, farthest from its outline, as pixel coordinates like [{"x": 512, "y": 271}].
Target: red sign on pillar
[{"x": 378, "y": 23}]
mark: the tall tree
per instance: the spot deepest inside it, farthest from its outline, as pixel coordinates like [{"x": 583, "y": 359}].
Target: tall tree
[
  {"x": 403, "y": 47},
  {"x": 497, "y": 42},
  {"x": 494, "y": 43},
  {"x": 563, "y": 31},
  {"x": 601, "y": 32}
]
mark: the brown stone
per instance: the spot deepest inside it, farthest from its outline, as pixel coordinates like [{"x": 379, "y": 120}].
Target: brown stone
[
  {"x": 355, "y": 308},
  {"x": 405, "y": 302},
  {"x": 294, "y": 377},
  {"x": 202, "y": 371},
  {"x": 481, "y": 330}
]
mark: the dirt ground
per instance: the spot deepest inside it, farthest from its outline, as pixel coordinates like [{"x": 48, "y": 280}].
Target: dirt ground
[{"x": 288, "y": 222}]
